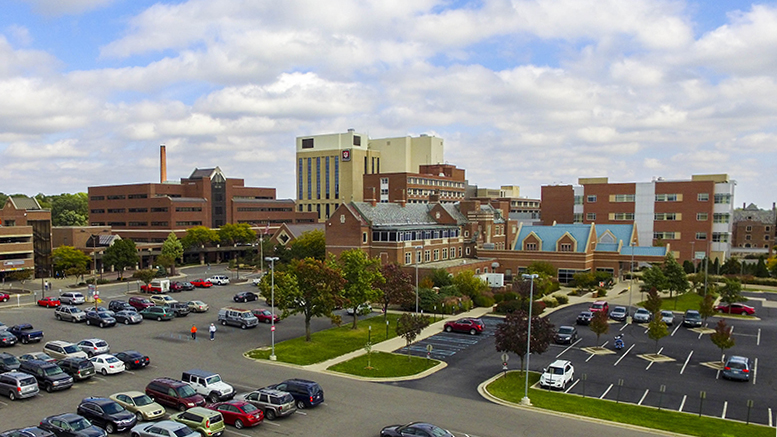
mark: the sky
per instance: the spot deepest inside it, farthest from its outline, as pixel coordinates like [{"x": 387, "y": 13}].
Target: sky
[{"x": 523, "y": 92}]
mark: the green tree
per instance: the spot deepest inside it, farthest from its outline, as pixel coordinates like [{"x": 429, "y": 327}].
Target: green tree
[
  {"x": 362, "y": 276},
  {"x": 722, "y": 337},
  {"x": 760, "y": 269},
  {"x": 654, "y": 277},
  {"x": 286, "y": 291},
  {"x": 511, "y": 335},
  {"x": 689, "y": 267},
  {"x": 409, "y": 326},
  {"x": 311, "y": 244},
  {"x": 21, "y": 275},
  {"x": 121, "y": 254},
  {"x": 68, "y": 259},
  {"x": 653, "y": 302},
  {"x": 231, "y": 234},
  {"x": 731, "y": 292},
  {"x": 469, "y": 285},
  {"x": 676, "y": 279},
  {"x": 657, "y": 330},
  {"x": 584, "y": 280},
  {"x": 172, "y": 250},
  {"x": 599, "y": 325},
  {"x": 542, "y": 268},
  {"x": 145, "y": 275},
  {"x": 70, "y": 209},
  {"x": 71, "y": 218},
  {"x": 707, "y": 307},
  {"x": 199, "y": 236},
  {"x": 732, "y": 266},
  {"x": 397, "y": 287},
  {"x": 440, "y": 278}
]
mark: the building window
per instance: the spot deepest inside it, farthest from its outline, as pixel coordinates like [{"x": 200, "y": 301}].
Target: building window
[
  {"x": 188, "y": 209},
  {"x": 624, "y": 198},
  {"x": 766, "y": 238},
  {"x": 624, "y": 216},
  {"x": 307, "y": 143},
  {"x": 97, "y": 198},
  {"x": 337, "y": 177},
  {"x": 591, "y": 216},
  {"x": 97, "y": 211},
  {"x": 578, "y": 200},
  {"x": 565, "y": 247},
  {"x": 468, "y": 251},
  {"x": 459, "y": 252},
  {"x": 299, "y": 179},
  {"x": 666, "y": 197},
  {"x": 748, "y": 229},
  {"x": 364, "y": 237},
  {"x": 418, "y": 257},
  {"x": 722, "y": 198},
  {"x": 445, "y": 253},
  {"x": 701, "y": 235},
  {"x": 436, "y": 254},
  {"x": 116, "y": 211},
  {"x": 720, "y": 237},
  {"x": 327, "y": 178},
  {"x": 357, "y": 140},
  {"x": 591, "y": 198},
  {"x": 767, "y": 228},
  {"x": 408, "y": 257},
  {"x": 531, "y": 246},
  {"x": 310, "y": 178},
  {"x": 137, "y": 210},
  {"x": 466, "y": 234},
  {"x": 137, "y": 196},
  {"x": 720, "y": 217},
  {"x": 318, "y": 178},
  {"x": 748, "y": 237},
  {"x": 577, "y": 217},
  {"x": 664, "y": 236},
  {"x": 116, "y": 197},
  {"x": 427, "y": 255},
  {"x": 665, "y": 216},
  {"x": 703, "y": 197},
  {"x": 702, "y": 216}
]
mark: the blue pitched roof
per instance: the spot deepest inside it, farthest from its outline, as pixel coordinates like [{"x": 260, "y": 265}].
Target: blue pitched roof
[
  {"x": 620, "y": 232},
  {"x": 644, "y": 250},
  {"x": 551, "y": 234}
]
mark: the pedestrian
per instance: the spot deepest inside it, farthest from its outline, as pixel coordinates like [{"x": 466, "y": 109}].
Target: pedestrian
[
  {"x": 194, "y": 332},
  {"x": 46, "y": 286},
  {"x": 212, "y": 331}
]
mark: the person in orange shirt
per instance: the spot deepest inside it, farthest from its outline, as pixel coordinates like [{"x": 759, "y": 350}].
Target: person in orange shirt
[{"x": 194, "y": 332}]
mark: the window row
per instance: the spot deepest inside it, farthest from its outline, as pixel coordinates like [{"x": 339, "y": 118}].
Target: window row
[
  {"x": 378, "y": 236},
  {"x": 433, "y": 255},
  {"x": 434, "y": 182}
]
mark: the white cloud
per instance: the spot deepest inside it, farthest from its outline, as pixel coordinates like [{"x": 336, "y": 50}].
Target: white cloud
[
  {"x": 60, "y": 149},
  {"x": 66, "y": 7}
]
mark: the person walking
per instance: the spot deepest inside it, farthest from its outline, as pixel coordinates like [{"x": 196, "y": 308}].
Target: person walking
[
  {"x": 212, "y": 331},
  {"x": 194, "y": 332}
]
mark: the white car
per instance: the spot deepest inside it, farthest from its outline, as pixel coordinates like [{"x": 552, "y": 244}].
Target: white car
[
  {"x": 107, "y": 364},
  {"x": 557, "y": 375},
  {"x": 667, "y": 317},
  {"x": 219, "y": 280}
]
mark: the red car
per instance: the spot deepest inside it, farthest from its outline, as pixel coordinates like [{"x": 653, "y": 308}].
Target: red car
[
  {"x": 472, "y": 326},
  {"x": 265, "y": 316},
  {"x": 202, "y": 283},
  {"x": 4, "y": 297},
  {"x": 239, "y": 414},
  {"x": 736, "y": 308},
  {"x": 49, "y": 302},
  {"x": 600, "y": 305}
]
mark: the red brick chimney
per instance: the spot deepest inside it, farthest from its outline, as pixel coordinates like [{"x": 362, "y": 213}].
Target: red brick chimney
[
  {"x": 403, "y": 201},
  {"x": 162, "y": 164},
  {"x": 372, "y": 200}
]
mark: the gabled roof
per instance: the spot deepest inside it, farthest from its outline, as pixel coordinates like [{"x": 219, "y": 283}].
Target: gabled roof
[
  {"x": 394, "y": 214},
  {"x": 756, "y": 215},
  {"x": 297, "y": 230},
  {"x": 611, "y": 237},
  {"x": 28, "y": 203},
  {"x": 549, "y": 235},
  {"x": 205, "y": 173}
]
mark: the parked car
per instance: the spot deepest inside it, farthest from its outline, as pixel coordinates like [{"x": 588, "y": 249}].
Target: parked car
[
  {"x": 62, "y": 349},
  {"x": 667, "y": 317},
  {"x": 361, "y": 309},
  {"x": 165, "y": 428},
  {"x": 208, "y": 384},
  {"x": 128, "y": 317},
  {"x": 25, "y": 333},
  {"x": 565, "y": 335},
  {"x": 219, "y": 280},
  {"x": 7, "y": 339},
  {"x": 162, "y": 299},
  {"x": 18, "y": 385},
  {"x": 642, "y": 316},
  {"x": 736, "y": 308},
  {"x": 557, "y": 375},
  {"x": 100, "y": 318},
  {"x": 265, "y": 316},
  {"x": 208, "y": 422},
  {"x": 692, "y": 318},
  {"x": 584, "y": 318},
  {"x": 139, "y": 404},
  {"x": 237, "y": 317},
  {"x": 239, "y": 414},
  {"x": 8, "y": 362},
  {"x": 31, "y": 431},
  {"x": 599, "y": 305},
  {"x": 70, "y": 313},
  {"x": 140, "y": 303},
  {"x": 202, "y": 283},
  {"x": 72, "y": 298},
  {"x": 119, "y": 305},
  {"x": 107, "y": 364},
  {"x": 156, "y": 286},
  {"x": 181, "y": 286},
  {"x": 197, "y": 306},
  {"x": 619, "y": 314},
  {"x": 306, "y": 393},
  {"x": 107, "y": 414},
  {"x": 4, "y": 297},
  {"x": 737, "y": 368},
  {"x": 274, "y": 403},
  {"x": 71, "y": 425},
  {"x": 42, "y": 356},
  {"x": 175, "y": 287},
  {"x": 79, "y": 368},
  {"x": 49, "y": 375},
  {"x": 157, "y": 313},
  {"x": 415, "y": 428},
  {"x": 245, "y": 296},
  {"x": 94, "y": 346},
  {"x": 105, "y": 310},
  {"x": 179, "y": 309},
  {"x": 49, "y": 302},
  {"x": 133, "y": 359},
  {"x": 173, "y": 393},
  {"x": 469, "y": 325}
]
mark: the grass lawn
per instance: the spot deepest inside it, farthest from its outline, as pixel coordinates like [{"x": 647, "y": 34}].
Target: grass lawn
[
  {"x": 330, "y": 343},
  {"x": 384, "y": 365},
  {"x": 511, "y": 388},
  {"x": 687, "y": 301}
]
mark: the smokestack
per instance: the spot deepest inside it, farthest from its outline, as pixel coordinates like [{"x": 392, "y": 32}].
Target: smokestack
[{"x": 162, "y": 164}]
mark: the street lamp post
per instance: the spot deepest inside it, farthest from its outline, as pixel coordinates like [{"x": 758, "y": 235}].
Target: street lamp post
[
  {"x": 631, "y": 286},
  {"x": 417, "y": 260},
  {"x": 271, "y": 260},
  {"x": 525, "y": 400}
]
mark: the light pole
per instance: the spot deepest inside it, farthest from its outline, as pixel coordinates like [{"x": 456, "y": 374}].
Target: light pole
[
  {"x": 417, "y": 260},
  {"x": 271, "y": 260},
  {"x": 525, "y": 400},
  {"x": 631, "y": 286}
]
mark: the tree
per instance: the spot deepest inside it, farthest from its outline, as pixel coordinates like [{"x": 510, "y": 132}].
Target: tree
[
  {"x": 654, "y": 277},
  {"x": 70, "y": 209},
  {"x": 511, "y": 335},
  {"x": 172, "y": 250},
  {"x": 584, "y": 280},
  {"x": 732, "y": 266},
  {"x": 653, "y": 302},
  {"x": 409, "y": 326},
  {"x": 286, "y": 291},
  {"x": 676, "y": 279},
  {"x": 199, "y": 236},
  {"x": 311, "y": 244},
  {"x": 707, "y": 307},
  {"x": 71, "y": 218},
  {"x": 121, "y": 254},
  {"x": 145, "y": 275},
  {"x": 440, "y": 278},
  {"x": 760, "y": 269},
  {"x": 234, "y": 233},
  {"x": 362, "y": 275},
  {"x": 397, "y": 286},
  {"x": 21, "y": 275},
  {"x": 542, "y": 268},
  {"x": 689, "y": 267},
  {"x": 599, "y": 325},
  {"x": 657, "y": 330},
  {"x": 69, "y": 260},
  {"x": 722, "y": 337},
  {"x": 771, "y": 265},
  {"x": 731, "y": 292},
  {"x": 469, "y": 284}
]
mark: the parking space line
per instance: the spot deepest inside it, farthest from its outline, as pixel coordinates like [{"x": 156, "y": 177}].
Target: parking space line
[
  {"x": 569, "y": 347},
  {"x": 647, "y": 390},
  {"x": 605, "y": 392},
  {"x": 725, "y": 407},
  {"x": 623, "y": 327},
  {"x": 701, "y": 333},
  {"x": 732, "y": 329},
  {"x": 770, "y": 416},
  {"x": 651, "y": 363},
  {"x": 589, "y": 357},
  {"x": 675, "y": 330},
  {"x": 624, "y": 354},
  {"x": 605, "y": 343},
  {"x": 755, "y": 370},
  {"x": 682, "y": 404},
  {"x": 572, "y": 386},
  {"x": 686, "y": 362},
  {"x": 237, "y": 433},
  {"x": 3, "y": 403},
  {"x": 758, "y": 339}
]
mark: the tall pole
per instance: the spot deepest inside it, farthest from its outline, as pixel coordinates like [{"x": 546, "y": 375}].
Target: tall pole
[
  {"x": 261, "y": 254},
  {"x": 525, "y": 400},
  {"x": 631, "y": 286},
  {"x": 271, "y": 260},
  {"x": 706, "y": 268},
  {"x": 417, "y": 260}
]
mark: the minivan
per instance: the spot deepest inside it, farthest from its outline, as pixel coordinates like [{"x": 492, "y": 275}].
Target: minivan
[
  {"x": 18, "y": 385},
  {"x": 62, "y": 349},
  {"x": 49, "y": 375},
  {"x": 78, "y": 368},
  {"x": 72, "y": 298},
  {"x": 174, "y": 393},
  {"x": 306, "y": 393}
]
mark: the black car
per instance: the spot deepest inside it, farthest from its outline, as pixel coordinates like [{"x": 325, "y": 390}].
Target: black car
[
  {"x": 77, "y": 367},
  {"x": 8, "y": 362},
  {"x": 245, "y": 296},
  {"x": 100, "y": 318},
  {"x": 7, "y": 339},
  {"x": 585, "y": 318},
  {"x": 49, "y": 375},
  {"x": 415, "y": 428},
  {"x": 180, "y": 309},
  {"x": 306, "y": 393},
  {"x": 119, "y": 305},
  {"x": 133, "y": 359},
  {"x": 565, "y": 335},
  {"x": 71, "y": 425},
  {"x": 107, "y": 414},
  {"x": 692, "y": 318},
  {"x": 32, "y": 431}
]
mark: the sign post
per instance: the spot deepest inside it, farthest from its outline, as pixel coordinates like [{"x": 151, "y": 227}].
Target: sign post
[{"x": 505, "y": 359}]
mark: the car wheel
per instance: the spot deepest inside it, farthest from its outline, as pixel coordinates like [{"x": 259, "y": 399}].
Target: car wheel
[
  {"x": 213, "y": 398},
  {"x": 270, "y": 414},
  {"x": 11, "y": 396},
  {"x": 267, "y": 320},
  {"x": 239, "y": 424},
  {"x": 88, "y": 322},
  {"x": 58, "y": 317},
  {"x": 126, "y": 321},
  {"x": 134, "y": 434},
  {"x": 109, "y": 428},
  {"x": 139, "y": 415},
  {"x": 300, "y": 405},
  {"x": 24, "y": 340},
  {"x": 223, "y": 323},
  {"x": 102, "y": 325},
  {"x": 73, "y": 320},
  {"x": 104, "y": 372},
  {"x": 158, "y": 319},
  {"x": 242, "y": 326},
  {"x": 472, "y": 331},
  {"x": 49, "y": 388},
  {"x": 181, "y": 407},
  {"x": 448, "y": 329}
]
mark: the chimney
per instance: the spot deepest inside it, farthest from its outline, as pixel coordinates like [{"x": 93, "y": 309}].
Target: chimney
[
  {"x": 403, "y": 200},
  {"x": 434, "y": 197},
  {"x": 372, "y": 201},
  {"x": 162, "y": 164}
]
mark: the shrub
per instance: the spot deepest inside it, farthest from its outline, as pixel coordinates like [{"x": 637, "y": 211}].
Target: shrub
[
  {"x": 550, "y": 302},
  {"x": 337, "y": 320},
  {"x": 508, "y": 306},
  {"x": 562, "y": 299},
  {"x": 601, "y": 291},
  {"x": 499, "y": 297},
  {"x": 510, "y": 296},
  {"x": 483, "y": 301}
]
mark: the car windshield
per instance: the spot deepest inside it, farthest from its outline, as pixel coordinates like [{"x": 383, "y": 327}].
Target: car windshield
[
  {"x": 105, "y": 315},
  {"x": 555, "y": 370},
  {"x": 101, "y": 344},
  {"x": 113, "y": 408},
  {"x": 738, "y": 365},
  {"x": 54, "y": 370},
  {"x": 186, "y": 391},
  {"x": 246, "y": 315},
  {"x": 642, "y": 311},
  {"x": 249, "y": 408},
  {"x": 79, "y": 424},
  {"x": 667, "y": 314},
  {"x": 565, "y": 330},
  {"x": 142, "y": 400},
  {"x": 182, "y": 431},
  {"x": 71, "y": 349},
  {"x": 437, "y": 431},
  {"x": 10, "y": 360},
  {"x": 111, "y": 360},
  {"x": 585, "y": 314},
  {"x": 619, "y": 310},
  {"x": 214, "y": 379},
  {"x": 597, "y": 305}
]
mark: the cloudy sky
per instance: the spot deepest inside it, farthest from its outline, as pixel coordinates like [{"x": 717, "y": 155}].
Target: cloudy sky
[{"x": 524, "y": 92}]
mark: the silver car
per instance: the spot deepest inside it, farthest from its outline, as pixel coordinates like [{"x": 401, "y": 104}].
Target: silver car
[
  {"x": 69, "y": 313},
  {"x": 667, "y": 317},
  {"x": 642, "y": 316},
  {"x": 274, "y": 403},
  {"x": 128, "y": 317},
  {"x": 94, "y": 346},
  {"x": 164, "y": 428}
]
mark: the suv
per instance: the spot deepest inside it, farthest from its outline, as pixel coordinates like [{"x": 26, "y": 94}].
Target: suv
[
  {"x": 208, "y": 384},
  {"x": 600, "y": 305},
  {"x": 61, "y": 349},
  {"x": 557, "y": 375},
  {"x": 219, "y": 280},
  {"x": 237, "y": 317},
  {"x": 118, "y": 305},
  {"x": 161, "y": 299},
  {"x": 31, "y": 431},
  {"x": 164, "y": 428},
  {"x": 692, "y": 318},
  {"x": 158, "y": 313},
  {"x": 180, "y": 309},
  {"x": 49, "y": 375},
  {"x": 174, "y": 393},
  {"x": 18, "y": 385},
  {"x": 306, "y": 393},
  {"x": 72, "y": 298},
  {"x": 8, "y": 362},
  {"x": 69, "y": 313},
  {"x": 208, "y": 422},
  {"x": 94, "y": 346},
  {"x": 274, "y": 403},
  {"x": 78, "y": 368},
  {"x": 107, "y": 414},
  {"x": 140, "y": 303},
  {"x": 737, "y": 368}
]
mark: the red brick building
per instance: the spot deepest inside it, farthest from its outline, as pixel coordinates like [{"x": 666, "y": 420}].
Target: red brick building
[
  {"x": 25, "y": 236},
  {"x": 754, "y": 231},
  {"x": 445, "y": 181}
]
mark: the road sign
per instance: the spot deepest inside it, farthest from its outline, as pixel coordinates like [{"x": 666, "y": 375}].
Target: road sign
[
  {"x": 272, "y": 328},
  {"x": 505, "y": 357}
]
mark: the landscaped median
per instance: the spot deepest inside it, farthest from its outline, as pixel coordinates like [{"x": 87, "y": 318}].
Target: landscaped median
[
  {"x": 385, "y": 365},
  {"x": 510, "y": 388}
]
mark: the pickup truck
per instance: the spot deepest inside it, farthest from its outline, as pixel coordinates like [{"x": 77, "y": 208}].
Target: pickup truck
[{"x": 25, "y": 333}]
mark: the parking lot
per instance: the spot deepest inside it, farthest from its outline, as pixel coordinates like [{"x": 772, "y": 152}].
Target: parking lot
[{"x": 447, "y": 344}]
